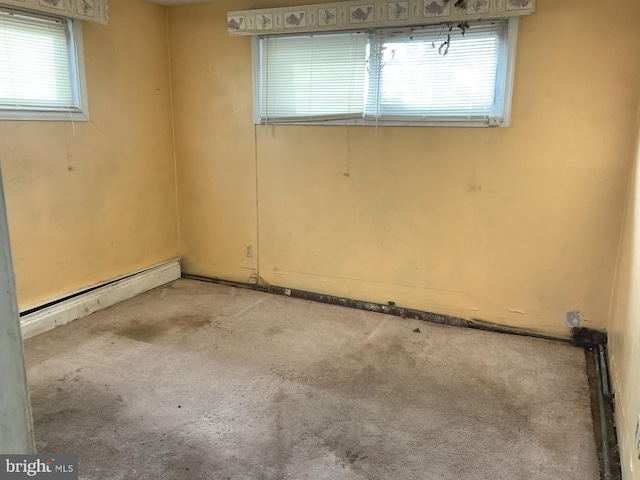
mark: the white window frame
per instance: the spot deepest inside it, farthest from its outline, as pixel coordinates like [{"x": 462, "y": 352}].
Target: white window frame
[
  {"x": 80, "y": 112},
  {"x": 504, "y": 93}
]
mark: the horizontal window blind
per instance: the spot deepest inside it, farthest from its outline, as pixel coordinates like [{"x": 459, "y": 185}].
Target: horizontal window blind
[
  {"x": 411, "y": 80},
  {"x": 35, "y": 70},
  {"x": 399, "y": 76},
  {"x": 313, "y": 76}
]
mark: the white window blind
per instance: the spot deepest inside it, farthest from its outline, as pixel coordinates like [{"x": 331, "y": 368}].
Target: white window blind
[
  {"x": 35, "y": 65},
  {"x": 411, "y": 80},
  {"x": 313, "y": 76},
  {"x": 392, "y": 76}
]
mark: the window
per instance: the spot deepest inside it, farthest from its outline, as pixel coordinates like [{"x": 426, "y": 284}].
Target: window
[
  {"x": 313, "y": 77},
  {"x": 388, "y": 77},
  {"x": 41, "y": 68}
]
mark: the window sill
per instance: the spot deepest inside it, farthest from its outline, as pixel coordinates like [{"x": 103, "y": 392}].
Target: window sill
[
  {"x": 39, "y": 115},
  {"x": 392, "y": 123}
]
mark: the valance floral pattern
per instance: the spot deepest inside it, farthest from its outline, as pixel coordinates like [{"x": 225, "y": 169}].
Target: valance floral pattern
[
  {"x": 89, "y": 10},
  {"x": 371, "y": 14}
]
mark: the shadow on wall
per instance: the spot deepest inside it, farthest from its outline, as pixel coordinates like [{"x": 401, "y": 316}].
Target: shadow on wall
[{"x": 624, "y": 335}]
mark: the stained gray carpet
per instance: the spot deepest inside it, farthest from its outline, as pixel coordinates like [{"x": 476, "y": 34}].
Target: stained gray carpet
[{"x": 202, "y": 381}]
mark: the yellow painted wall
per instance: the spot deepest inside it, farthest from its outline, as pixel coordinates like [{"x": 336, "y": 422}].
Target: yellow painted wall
[
  {"x": 515, "y": 226},
  {"x": 88, "y": 202},
  {"x": 215, "y": 143},
  {"x": 624, "y": 332}
]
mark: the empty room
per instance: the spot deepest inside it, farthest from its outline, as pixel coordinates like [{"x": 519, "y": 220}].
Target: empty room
[{"x": 286, "y": 240}]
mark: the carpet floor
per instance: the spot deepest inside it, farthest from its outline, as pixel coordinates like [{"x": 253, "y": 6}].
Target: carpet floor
[{"x": 195, "y": 380}]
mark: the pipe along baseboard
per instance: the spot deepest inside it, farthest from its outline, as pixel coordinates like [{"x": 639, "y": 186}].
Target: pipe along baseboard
[{"x": 395, "y": 310}]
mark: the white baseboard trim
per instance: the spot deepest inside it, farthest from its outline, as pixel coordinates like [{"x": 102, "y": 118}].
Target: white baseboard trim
[{"x": 99, "y": 298}]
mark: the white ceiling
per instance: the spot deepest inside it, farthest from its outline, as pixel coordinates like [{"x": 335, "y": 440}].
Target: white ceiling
[{"x": 177, "y": 2}]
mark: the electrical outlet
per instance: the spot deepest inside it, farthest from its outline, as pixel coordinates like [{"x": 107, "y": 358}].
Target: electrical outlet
[{"x": 249, "y": 251}]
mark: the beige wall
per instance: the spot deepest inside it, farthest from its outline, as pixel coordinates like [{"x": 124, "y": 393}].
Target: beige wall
[
  {"x": 215, "y": 143},
  {"x": 515, "y": 226},
  {"x": 624, "y": 332},
  {"x": 89, "y": 202}
]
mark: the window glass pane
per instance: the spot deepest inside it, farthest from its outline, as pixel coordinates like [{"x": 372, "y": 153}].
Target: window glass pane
[
  {"x": 311, "y": 76},
  {"x": 411, "y": 78},
  {"x": 34, "y": 63}
]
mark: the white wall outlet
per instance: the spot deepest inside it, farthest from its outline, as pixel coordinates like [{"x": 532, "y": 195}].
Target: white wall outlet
[{"x": 249, "y": 251}]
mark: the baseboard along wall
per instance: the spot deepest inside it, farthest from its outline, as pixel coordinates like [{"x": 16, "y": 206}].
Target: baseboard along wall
[{"x": 97, "y": 298}]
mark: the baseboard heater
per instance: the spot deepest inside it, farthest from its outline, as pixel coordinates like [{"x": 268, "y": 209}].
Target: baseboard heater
[{"x": 43, "y": 318}]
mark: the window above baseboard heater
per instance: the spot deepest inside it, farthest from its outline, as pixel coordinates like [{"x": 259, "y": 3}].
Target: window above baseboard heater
[{"x": 340, "y": 16}]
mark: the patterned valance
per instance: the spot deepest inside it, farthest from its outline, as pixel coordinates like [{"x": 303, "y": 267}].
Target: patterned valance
[
  {"x": 371, "y": 14},
  {"x": 89, "y": 10}
]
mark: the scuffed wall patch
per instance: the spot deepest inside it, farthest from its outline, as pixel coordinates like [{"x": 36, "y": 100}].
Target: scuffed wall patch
[{"x": 572, "y": 318}]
